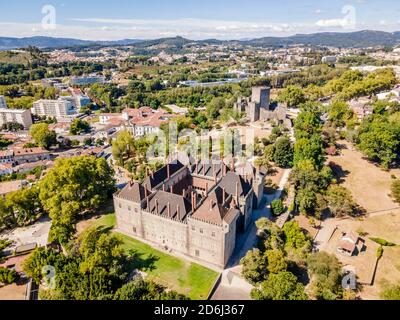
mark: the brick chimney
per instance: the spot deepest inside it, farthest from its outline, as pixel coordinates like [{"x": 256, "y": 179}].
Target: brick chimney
[
  {"x": 178, "y": 211},
  {"x": 169, "y": 210},
  {"x": 223, "y": 196},
  {"x": 237, "y": 191},
  {"x": 168, "y": 171},
  {"x": 157, "y": 209}
]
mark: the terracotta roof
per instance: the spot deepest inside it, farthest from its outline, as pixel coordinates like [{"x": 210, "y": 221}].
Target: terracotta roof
[
  {"x": 214, "y": 210},
  {"x": 11, "y": 186},
  {"x": 29, "y": 151}
]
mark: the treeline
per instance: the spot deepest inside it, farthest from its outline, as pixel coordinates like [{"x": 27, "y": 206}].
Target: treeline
[{"x": 94, "y": 266}]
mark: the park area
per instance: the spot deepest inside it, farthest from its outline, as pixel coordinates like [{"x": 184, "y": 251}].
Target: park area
[
  {"x": 178, "y": 274},
  {"x": 369, "y": 184},
  {"x": 370, "y": 187}
]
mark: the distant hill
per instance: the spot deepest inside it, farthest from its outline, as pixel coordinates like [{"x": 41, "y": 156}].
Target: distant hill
[
  {"x": 360, "y": 39},
  {"x": 366, "y": 38},
  {"x": 49, "y": 42}
]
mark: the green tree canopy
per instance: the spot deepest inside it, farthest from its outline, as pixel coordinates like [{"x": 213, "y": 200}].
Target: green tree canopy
[
  {"x": 72, "y": 186},
  {"x": 42, "y": 135}
]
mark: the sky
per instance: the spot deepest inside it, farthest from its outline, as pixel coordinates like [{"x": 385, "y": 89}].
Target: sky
[{"x": 193, "y": 19}]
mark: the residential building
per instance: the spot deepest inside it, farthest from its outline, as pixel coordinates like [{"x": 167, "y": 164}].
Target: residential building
[
  {"x": 54, "y": 108},
  {"x": 11, "y": 186},
  {"x": 5, "y": 169},
  {"x": 196, "y": 208},
  {"x": 21, "y": 116},
  {"x": 350, "y": 244},
  {"x": 24, "y": 155},
  {"x": 6, "y": 156},
  {"x": 80, "y": 81},
  {"x": 77, "y": 101}
]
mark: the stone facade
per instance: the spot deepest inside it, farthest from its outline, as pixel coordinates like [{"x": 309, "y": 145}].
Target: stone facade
[
  {"x": 196, "y": 209},
  {"x": 255, "y": 106}
]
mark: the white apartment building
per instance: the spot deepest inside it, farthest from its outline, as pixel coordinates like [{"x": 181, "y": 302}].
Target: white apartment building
[
  {"x": 54, "y": 108},
  {"x": 3, "y": 103},
  {"x": 21, "y": 116}
]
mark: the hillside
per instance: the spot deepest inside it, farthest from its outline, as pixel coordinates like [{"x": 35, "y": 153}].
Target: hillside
[{"x": 366, "y": 38}]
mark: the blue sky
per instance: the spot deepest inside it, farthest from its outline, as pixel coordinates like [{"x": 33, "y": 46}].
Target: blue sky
[{"x": 195, "y": 19}]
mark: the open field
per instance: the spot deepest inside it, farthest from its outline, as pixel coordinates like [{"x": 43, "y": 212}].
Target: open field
[
  {"x": 385, "y": 226},
  {"x": 369, "y": 184},
  {"x": 178, "y": 274}
]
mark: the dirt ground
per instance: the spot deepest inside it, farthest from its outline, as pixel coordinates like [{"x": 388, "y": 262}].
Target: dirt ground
[
  {"x": 369, "y": 184},
  {"x": 385, "y": 226}
]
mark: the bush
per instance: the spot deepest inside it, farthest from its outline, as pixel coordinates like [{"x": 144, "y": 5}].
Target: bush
[
  {"x": 379, "y": 252},
  {"x": 383, "y": 242},
  {"x": 8, "y": 276},
  {"x": 277, "y": 207}
]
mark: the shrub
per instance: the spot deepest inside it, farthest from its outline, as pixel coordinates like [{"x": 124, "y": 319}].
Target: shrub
[
  {"x": 379, "y": 252},
  {"x": 383, "y": 242},
  {"x": 277, "y": 207},
  {"x": 8, "y": 276}
]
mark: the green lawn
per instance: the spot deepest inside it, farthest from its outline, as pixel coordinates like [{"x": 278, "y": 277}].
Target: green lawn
[{"x": 183, "y": 276}]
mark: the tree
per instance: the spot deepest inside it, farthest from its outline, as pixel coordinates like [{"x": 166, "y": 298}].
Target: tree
[
  {"x": 396, "y": 190},
  {"x": 8, "y": 276},
  {"x": 24, "y": 204},
  {"x": 255, "y": 265},
  {"x": 308, "y": 123},
  {"x": 139, "y": 289},
  {"x": 74, "y": 281},
  {"x": 276, "y": 261},
  {"x": 292, "y": 95},
  {"x": 123, "y": 147},
  {"x": 379, "y": 139},
  {"x": 325, "y": 272},
  {"x": 277, "y": 207},
  {"x": 309, "y": 149},
  {"x": 283, "y": 154},
  {"x": 42, "y": 135},
  {"x": 297, "y": 243},
  {"x": 280, "y": 286},
  {"x": 340, "y": 201},
  {"x": 72, "y": 186},
  {"x": 339, "y": 113},
  {"x": 79, "y": 126}
]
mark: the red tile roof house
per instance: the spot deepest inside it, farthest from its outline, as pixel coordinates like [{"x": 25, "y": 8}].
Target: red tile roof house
[
  {"x": 350, "y": 244},
  {"x": 25, "y": 155}
]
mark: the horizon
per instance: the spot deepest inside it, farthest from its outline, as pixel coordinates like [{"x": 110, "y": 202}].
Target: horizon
[
  {"x": 179, "y": 36},
  {"x": 221, "y": 20}
]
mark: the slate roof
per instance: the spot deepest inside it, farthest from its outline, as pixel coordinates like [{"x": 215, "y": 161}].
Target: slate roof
[
  {"x": 133, "y": 191},
  {"x": 164, "y": 198},
  {"x": 162, "y": 174},
  {"x": 229, "y": 182}
]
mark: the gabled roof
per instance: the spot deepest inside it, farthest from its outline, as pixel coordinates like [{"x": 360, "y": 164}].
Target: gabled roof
[
  {"x": 133, "y": 191},
  {"x": 231, "y": 180},
  {"x": 162, "y": 174},
  {"x": 213, "y": 209},
  {"x": 175, "y": 201}
]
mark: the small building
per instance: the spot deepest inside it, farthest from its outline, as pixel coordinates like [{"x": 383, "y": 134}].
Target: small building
[{"x": 350, "y": 244}]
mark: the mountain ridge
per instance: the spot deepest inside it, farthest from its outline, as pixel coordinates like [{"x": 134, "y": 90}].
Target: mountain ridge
[{"x": 364, "y": 38}]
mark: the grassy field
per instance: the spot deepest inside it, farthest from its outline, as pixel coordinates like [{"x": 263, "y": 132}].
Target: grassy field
[{"x": 183, "y": 276}]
